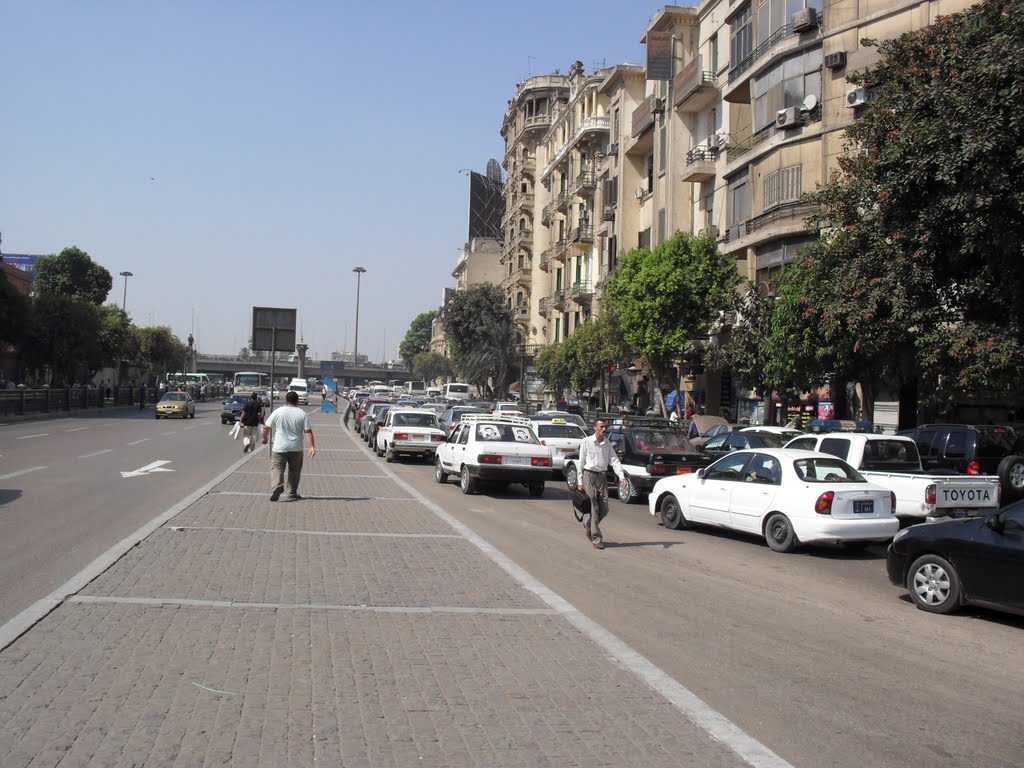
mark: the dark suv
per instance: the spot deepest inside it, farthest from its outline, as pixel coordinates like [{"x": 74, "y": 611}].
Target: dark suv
[
  {"x": 649, "y": 450},
  {"x": 973, "y": 450}
]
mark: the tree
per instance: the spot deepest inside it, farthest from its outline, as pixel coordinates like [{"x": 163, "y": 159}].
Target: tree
[
  {"x": 417, "y": 338},
  {"x": 159, "y": 350},
  {"x": 552, "y": 366},
  {"x": 72, "y": 273},
  {"x": 481, "y": 335},
  {"x": 668, "y": 297},
  {"x": 115, "y": 332},
  {"x": 64, "y": 336},
  {"x": 591, "y": 349},
  {"x": 430, "y": 366},
  {"x": 14, "y": 314},
  {"x": 745, "y": 352},
  {"x": 492, "y": 363}
]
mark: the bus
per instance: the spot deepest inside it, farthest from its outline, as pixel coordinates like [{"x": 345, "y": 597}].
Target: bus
[
  {"x": 415, "y": 387},
  {"x": 245, "y": 382}
]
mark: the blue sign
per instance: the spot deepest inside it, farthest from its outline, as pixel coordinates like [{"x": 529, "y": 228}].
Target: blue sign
[
  {"x": 23, "y": 261},
  {"x": 329, "y": 366}
]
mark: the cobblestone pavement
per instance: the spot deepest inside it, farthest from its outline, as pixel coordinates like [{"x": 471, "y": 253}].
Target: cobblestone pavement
[{"x": 356, "y": 627}]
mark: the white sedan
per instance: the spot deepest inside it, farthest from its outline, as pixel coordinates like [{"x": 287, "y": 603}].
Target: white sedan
[
  {"x": 561, "y": 436},
  {"x": 787, "y": 496},
  {"x": 409, "y": 432},
  {"x": 493, "y": 449}
]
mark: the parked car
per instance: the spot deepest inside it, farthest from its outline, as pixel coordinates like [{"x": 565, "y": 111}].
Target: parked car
[
  {"x": 572, "y": 418},
  {"x": 373, "y": 420},
  {"x": 409, "y": 432},
  {"x": 506, "y": 408},
  {"x": 726, "y": 442},
  {"x": 786, "y": 496},
  {"x": 649, "y": 449},
  {"x": 973, "y": 561},
  {"x": 362, "y": 407},
  {"x": 454, "y": 414},
  {"x": 561, "y": 436},
  {"x": 176, "y": 404},
  {"x": 700, "y": 429},
  {"x": 973, "y": 450},
  {"x": 231, "y": 409},
  {"x": 493, "y": 449}
]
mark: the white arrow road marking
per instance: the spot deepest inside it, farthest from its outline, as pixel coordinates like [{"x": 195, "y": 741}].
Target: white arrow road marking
[{"x": 156, "y": 466}]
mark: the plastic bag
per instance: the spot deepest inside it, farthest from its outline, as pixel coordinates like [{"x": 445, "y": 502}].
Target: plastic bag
[{"x": 235, "y": 431}]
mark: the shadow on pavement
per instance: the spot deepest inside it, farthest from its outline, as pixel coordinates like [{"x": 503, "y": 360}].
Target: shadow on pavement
[{"x": 8, "y": 495}]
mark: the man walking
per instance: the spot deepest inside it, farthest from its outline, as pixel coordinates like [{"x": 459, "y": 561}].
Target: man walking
[
  {"x": 251, "y": 418},
  {"x": 290, "y": 424},
  {"x": 350, "y": 412},
  {"x": 596, "y": 455}
]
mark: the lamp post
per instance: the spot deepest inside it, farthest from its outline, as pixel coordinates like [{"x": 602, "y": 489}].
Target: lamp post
[
  {"x": 124, "y": 303},
  {"x": 355, "y": 346}
]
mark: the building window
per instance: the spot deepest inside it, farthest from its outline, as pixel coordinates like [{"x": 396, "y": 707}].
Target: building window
[
  {"x": 615, "y": 126},
  {"x": 771, "y": 258},
  {"x": 714, "y": 54},
  {"x": 741, "y": 36},
  {"x": 782, "y": 186},
  {"x": 661, "y": 226},
  {"x": 644, "y": 238},
  {"x": 787, "y": 84},
  {"x": 522, "y": 261},
  {"x": 650, "y": 173},
  {"x": 739, "y": 204}
]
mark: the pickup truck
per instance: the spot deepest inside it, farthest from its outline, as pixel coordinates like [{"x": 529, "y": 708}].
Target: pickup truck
[{"x": 892, "y": 461}]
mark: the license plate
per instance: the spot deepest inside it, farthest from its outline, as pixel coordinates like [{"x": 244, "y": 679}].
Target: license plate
[
  {"x": 515, "y": 461},
  {"x": 864, "y": 507},
  {"x": 419, "y": 437}
]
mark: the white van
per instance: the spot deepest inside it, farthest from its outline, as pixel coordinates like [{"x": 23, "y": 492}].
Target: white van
[
  {"x": 302, "y": 388},
  {"x": 433, "y": 391},
  {"x": 456, "y": 391},
  {"x": 380, "y": 390},
  {"x": 415, "y": 387}
]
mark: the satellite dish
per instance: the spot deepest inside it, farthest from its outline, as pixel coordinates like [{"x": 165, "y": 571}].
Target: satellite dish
[{"x": 810, "y": 103}]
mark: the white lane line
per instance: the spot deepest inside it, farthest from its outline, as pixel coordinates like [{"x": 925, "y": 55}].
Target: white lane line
[
  {"x": 695, "y": 709},
  {"x": 36, "y": 612},
  {"x": 20, "y": 472},
  {"x": 95, "y": 453},
  {"x": 158, "y": 602},
  {"x": 192, "y": 427},
  {"x": 315, "y": 498},
  {"x": 319, "y": 474},
  {"x": 76, "y": 429},
  {"x": 136, "y": 442},
  {"x": 354, "y": 534},
  {"x": 165, "y": 434},
  {"x": 29, "y": 437}
]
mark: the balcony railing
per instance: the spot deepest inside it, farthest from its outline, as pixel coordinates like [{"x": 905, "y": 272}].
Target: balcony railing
[
  {"x": 608, "y": 213},
  {"x": 694, "y": 87},
  {"x": 537, "y": 122},
  {"x": 546, "y": 214},
  {"x": 524, "y": 237},
  {"x": 560, "y": 248},
  {"x": 562, "y": 201},
  {"x": 546, "y": 256},
  {"x": 585, "y": 182},
  {"x": 525, "y": 201},
  {"x": 584, "y": 233},
  {"x": 523, "y": 276},
  {"x": 643, "y": 116},
  {"x": 528, "y": 164},
  {"x": 582, "y": 289}
]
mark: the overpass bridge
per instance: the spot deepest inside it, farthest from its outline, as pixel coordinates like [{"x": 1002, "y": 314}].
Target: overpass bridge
[{"x": 346, "y": 374}]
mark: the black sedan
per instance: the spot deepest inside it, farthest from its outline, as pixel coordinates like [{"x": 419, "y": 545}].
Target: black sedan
[
  {"x": 975, "y": 561},
  {"x": 232, "y": 408}
]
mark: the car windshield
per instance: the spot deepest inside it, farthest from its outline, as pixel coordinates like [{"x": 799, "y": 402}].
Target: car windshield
[
  {"x": 173, "y": 396},
  {"x": 826, "y": 470},
  {"x": 560, "y": 430},
  {"x": 665, "y": 440},
  {"x": 415, "y": 420},
  {"x": 890, "y": 454},
  {"x": 505, "y": 433},
  {"x": 770, "y": 439},
  {"x": 240, "y": 399}
]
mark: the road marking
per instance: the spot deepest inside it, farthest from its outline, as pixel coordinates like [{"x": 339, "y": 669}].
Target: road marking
[
  {"x": 355, "y": 534},
  {"x": 156, "y": 466},
  {"x": 320, "y": 474},
  {"x": 165, "y": 434},
  {"x": 136, "y": 442},
  {"x": 76, "y": 429},
  {"x": 95, "y": 453},
  {"x": 321, "y": 498},
  {"x": 20, "y": 472},
  {"x": 192, "y": 427},
  {"x": 29, "y": 437}
]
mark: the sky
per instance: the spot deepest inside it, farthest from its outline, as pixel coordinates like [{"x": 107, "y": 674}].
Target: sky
[{"x": 232, "y": 154}]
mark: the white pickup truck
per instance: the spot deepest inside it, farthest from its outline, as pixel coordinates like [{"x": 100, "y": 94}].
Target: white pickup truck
[{"x": 893, "y": 462}]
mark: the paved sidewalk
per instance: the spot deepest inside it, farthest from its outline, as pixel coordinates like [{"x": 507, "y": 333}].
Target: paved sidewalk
[{"x": 360, "y": 626}]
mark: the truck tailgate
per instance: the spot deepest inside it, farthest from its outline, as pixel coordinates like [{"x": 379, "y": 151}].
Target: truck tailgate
[{"x": 966, "y": 492}]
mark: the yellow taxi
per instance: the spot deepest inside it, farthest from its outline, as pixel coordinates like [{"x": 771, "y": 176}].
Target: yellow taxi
[{"x": 176, "y": 404}]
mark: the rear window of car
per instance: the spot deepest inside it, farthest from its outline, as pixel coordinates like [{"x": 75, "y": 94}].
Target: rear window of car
[
  {"x": 669, "y": 441},
  {"x": 826, "y": 470},
  {"x": 414, "y": 420},
  {"x": 884, "y": 455},
  {"x": 505, "y": 433},
  {"x": 560, "y": 430}
]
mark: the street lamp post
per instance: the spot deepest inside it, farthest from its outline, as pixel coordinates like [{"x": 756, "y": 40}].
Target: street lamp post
[
  {"x": 355, "y": 346},
  {"x": 124, "y": 315}
]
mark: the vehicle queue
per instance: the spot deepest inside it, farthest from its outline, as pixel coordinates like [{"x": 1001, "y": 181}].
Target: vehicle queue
[{"x": 771, "y": 483}]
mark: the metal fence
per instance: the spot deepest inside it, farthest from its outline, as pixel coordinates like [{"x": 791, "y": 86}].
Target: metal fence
[{"x": 16, "y": 402}]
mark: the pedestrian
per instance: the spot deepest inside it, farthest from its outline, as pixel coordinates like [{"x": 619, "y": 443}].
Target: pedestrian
[
  {"x": 596, "y": 455},
  {"x": 142, "y": 396},
  {"x": 290, "y": 423},
  {"x": 251, "y": 418},
  {"x": 350, "y": 412}
]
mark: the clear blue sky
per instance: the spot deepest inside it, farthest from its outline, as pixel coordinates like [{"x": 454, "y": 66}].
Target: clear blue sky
[{"x": 232, "y": 154}]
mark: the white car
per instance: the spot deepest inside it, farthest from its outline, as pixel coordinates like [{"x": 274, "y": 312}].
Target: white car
[
  {"x": 493, "y": 449},
  {"x": 789, "y": 497},
  {"x": 561, "y": 436},
  {"x": 507, "y": 409},
  {"x": 409, "y": 432}
]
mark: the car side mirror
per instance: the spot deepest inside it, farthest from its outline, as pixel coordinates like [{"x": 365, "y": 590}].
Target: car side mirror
[
  {"x": 996, "y": 523},
  {"x": 700, "y": 473}
]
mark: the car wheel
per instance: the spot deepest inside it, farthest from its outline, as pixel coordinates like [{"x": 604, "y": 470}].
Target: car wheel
[
  {"x": 192, "y": 415},
  {"x": 934, "y": 585},
  {"x": 377, "y": 451},
  {"x": 779, "y": 534},
  {"x": 389, "y": 454},
  {"x": 1011, "y": 476},
  {"x": 439, "y": 474},
  {"x": 571, "y": 478},
  {"x": 671, "y": 513},
  {"x": 466, "y": 483},
  {"x": 627, "y": 491},
  {"x": 536, "y": 490},
  {"x": 156, "y": 416},
  {"x": 223, "y": 422}
]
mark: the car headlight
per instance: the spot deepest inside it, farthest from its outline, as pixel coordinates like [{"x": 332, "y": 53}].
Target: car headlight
[{"x": 900, "y": 535}]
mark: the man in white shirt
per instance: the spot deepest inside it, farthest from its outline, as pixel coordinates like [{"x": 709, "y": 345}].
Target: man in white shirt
[
  {"x": 290, "y": 424},
  {"x": 596, "y": 455}
]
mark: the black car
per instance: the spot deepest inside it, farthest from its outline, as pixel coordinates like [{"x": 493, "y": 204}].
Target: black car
[
  {"x": 975, "y": 561},
  {"x": 232, "y": 408},
  {"x": 724, "y": 443},
  {"x": 454, "y": 415},
  {"x": 973, "y": 450},
  {"x": 649, "y": 449}
]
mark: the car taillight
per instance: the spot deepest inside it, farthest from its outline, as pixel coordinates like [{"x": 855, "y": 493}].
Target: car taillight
[
  {"x": 659, "y": 469},
  {"x": 682, "y": 469},
  {"x": 543, "y": 442},
  {"x": 437, "y": 438},
  {"x": 401, "y": 435},
  {"x": 892, "y": 501},
  {"x": 541, "y": 461},
  {"x": 974, "y": 468},
  {"x": 823, "y": 506},
  {"x": 929, "y": 494},
  {"x": 489, "y": 458}
]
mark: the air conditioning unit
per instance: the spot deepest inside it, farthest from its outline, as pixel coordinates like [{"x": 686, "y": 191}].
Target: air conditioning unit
[
  {"x": 836, "y": 60},
  {"x": 787, "y": 118},
  {"x": 803, "y": 20},
  {"x": 723, "y": 139},
  {"x": 640, "y": 193},
  {"x": 712, "y": 141},
  {"x": 857, "y": 97}
]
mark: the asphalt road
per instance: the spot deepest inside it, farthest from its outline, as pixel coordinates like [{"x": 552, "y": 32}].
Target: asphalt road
[{"x": 814, "y": 654}]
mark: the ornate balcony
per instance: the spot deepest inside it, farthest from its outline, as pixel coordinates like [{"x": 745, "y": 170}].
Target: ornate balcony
[
  {"x": 584, "y": 233},
  {"x": 525, "y": 201},
  {"x": 546, "y": 256},
  {"x": 545, "y": 306},
  {"x": 546, "y": 214},
  {"x": 582, "y": 291},
  {"x": 524, "y": 238},
  {"x": 608, "y": 213},
  {"x": 523, "y": 276},
  {"x": 537, "y": 123},
  {"x": 560, "y": 250},
  {"x": 528, "y": 165},
  {"x": 585, "y": 183},
  {"x": 562, "y": 201},
  {"x": 558, "y": 298}
]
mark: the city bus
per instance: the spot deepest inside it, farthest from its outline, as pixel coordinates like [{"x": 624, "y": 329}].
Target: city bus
[{"x": 245, "y": 382}]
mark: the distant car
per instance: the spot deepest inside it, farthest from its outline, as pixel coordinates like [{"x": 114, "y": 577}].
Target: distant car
[
  {"x": 700, "y": 428},
  {"x": 561, "y": 436},
  {"x": 753, "y": 437},
  {"x": 493, "y": 449},
  {"x": 976, "y": 560},
  {"x": 409, "y": 432},
  {"x": 176, "y": 404},
  {"x": 264, "y": 395},
  {"x": 572, "y": 418},
  {"x": 374, "y": 420},
  {"x": 232, "y": 408},
  {"x": 454, "y": 415},
  {"x": 788, "y": 497}
]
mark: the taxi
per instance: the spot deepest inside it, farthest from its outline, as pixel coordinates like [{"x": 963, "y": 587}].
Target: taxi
[
  {"x": 176, "y": 404},
  {"x": 561, "y": 436},
  {"x": 409, "y": 432},
  {"x": 486, "y": 448}
]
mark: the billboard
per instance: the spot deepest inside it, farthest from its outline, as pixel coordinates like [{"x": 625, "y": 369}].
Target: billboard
[
  {"x": 659, "y": 55},
  {"x": 23, "y": 261},
  {"x": 486, "y": 207},
  {"x": 273, "y": 329}
]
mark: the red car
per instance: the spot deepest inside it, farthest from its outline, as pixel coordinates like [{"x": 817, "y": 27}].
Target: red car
[{"x": 363, "y": 408}]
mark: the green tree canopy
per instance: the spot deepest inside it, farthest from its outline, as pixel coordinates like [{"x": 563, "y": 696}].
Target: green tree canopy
[
  {"x": 14, "y": 313},
  {"x": 159, "y": 350},
  {"x": 417, "y": 338},
  {"x": 481, "y": 336},
  {"x": 552, "y": 365},
  {"x": 65, "y": 336},
  {"x": 73, "y": 273},
  {"x": 430, "y": 366},
  {"x": 591, "y": 348}
]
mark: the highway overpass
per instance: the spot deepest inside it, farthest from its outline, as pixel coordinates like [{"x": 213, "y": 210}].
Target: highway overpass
[{"x": 346, "y": 374}]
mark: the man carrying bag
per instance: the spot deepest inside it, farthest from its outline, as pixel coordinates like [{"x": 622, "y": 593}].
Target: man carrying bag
[{"x": 251, "y": 418}]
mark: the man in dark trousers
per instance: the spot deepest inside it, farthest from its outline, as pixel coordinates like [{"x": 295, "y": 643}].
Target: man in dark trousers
[
  {"x": 349, "y": 413},
  {"x": 251, "y": 418},
  {"x": 596, "y": 455},
  {"x": 291, "y": 427}
]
